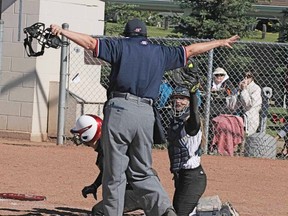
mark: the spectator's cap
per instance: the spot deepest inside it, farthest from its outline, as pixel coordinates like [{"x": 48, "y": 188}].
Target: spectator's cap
[
  {"x": 134, "y": 28},
  {"x": 219, "y": 70}
]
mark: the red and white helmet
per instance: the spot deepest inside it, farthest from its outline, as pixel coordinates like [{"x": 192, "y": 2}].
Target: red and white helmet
[{"x": 87, "y": 128}]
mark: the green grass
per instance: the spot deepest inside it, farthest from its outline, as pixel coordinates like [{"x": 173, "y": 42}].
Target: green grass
[
  {"x": 257, "y": 36},
  {"x": 159, "y": 32},
  {"x": 278, "y": 110},
  {"x": 114, "y": 29}
]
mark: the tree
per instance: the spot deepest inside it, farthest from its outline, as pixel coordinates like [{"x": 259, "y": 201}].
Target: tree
[
  {"x": 121, "y": 13},
  {"x": 283, "y": 28},
  {"x": 215, "y": 18}
]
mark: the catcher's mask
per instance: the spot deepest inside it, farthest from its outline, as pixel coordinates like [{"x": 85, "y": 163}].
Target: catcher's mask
[
  {"x": 87, "y": 129},
  {"x": 44, "y": 37},
  {"x": 179, "y": 92}
]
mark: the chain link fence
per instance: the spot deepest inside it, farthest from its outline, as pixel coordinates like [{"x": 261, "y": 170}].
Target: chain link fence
[{"x": 88, "y": 80}]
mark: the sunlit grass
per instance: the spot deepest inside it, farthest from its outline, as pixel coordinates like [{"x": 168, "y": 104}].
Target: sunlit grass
[
  {"x": 116, "y": 29},
  {"x": 159, "y": 32},
  {"x": 257, "y": 36}
]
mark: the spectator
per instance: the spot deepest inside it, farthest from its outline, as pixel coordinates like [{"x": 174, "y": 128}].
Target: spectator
[
  {"x": 163, "y": 104},
  {"x": 185, "y": 138},
  {"x": 164, "y": 94},
  {"x": 284, "y": 131},
  {"x": 250, "y": 99},
  {"x": 221, "y": 81},
  {"x": 221, "y": 88},
  {"x": 283, "y": 134}
]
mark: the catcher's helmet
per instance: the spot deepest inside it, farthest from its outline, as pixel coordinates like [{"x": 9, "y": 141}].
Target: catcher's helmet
[
  {"x": 178, "y": 108},
  {"x": 135, "y": 27},
  {"x": 181, "y": 91},
  {"x": 87, "y": 129}
]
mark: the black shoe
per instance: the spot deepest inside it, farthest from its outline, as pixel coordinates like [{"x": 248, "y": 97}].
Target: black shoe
[
  {"x": 170, "y": 212},
  {"x": 97, "y": 210},
  {"x": 282, "y": 156}
]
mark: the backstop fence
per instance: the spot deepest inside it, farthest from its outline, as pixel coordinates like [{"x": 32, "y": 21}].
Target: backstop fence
[{"x": 88, "y": 78}]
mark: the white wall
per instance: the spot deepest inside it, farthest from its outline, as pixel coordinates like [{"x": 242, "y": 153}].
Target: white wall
[{"x": 25, "y": 80}]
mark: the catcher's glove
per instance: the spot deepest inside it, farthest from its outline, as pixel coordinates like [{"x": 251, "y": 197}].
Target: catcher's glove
[{"x": 187, "y": 77}]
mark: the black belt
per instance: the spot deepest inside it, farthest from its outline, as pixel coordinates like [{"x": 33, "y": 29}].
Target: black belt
[{"x": 129, "y": 96}]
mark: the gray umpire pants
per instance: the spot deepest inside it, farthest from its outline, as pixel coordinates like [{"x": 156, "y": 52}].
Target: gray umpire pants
[{"x": 127, "y": 138}]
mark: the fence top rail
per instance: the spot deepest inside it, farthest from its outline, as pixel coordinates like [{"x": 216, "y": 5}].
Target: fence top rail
[{"x": 200, "y": 40}]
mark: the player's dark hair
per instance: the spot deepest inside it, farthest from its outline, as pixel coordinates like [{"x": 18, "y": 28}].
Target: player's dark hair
[{"x": 249, "y": 74}]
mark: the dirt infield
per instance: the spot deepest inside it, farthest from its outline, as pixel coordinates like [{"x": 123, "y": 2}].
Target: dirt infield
[{"x": 255, "y": 187}]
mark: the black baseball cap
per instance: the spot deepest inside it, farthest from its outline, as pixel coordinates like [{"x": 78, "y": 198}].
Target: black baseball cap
[{"x": 135, "y": 27}]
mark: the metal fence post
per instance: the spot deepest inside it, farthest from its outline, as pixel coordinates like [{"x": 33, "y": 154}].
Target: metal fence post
[
  {"x": 62, "y": 90},
  {"x": 208, "y": 98}
]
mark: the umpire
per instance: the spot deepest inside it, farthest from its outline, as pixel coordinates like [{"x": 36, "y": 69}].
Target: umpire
[{"x": 137, "y": 68}]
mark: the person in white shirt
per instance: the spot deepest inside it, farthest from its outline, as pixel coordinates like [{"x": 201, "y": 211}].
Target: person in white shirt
[{"x": 251, "y": 101}]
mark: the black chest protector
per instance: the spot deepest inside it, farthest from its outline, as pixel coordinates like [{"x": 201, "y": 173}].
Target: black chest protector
[{"x": 178, "y": 153}]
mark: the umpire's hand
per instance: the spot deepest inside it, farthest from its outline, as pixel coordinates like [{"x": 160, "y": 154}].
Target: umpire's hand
[
  {"x": 56, "y": 29},
  {"x": 91, "y": 189}
]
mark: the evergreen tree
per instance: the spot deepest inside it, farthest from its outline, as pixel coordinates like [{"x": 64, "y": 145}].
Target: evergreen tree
[
  {"x": 215, "y": 18},
  {"x": 283, "y": 28},
  {"x": 121, "y": 13}
]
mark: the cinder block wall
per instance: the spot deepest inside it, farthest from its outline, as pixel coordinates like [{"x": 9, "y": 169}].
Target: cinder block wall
[{"x": 24, "y": 81}]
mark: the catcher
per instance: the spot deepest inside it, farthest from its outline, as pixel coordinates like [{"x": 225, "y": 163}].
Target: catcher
[
  {"x": 87, "y": 131},
  {"x": 185, "y": 138}
]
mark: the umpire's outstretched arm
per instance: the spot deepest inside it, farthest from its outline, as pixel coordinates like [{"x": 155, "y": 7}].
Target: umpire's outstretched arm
[
  {"x": 199, "y": 48},
  {"x": 90, "y": 43},
  {"x": 83, "y": 40}
]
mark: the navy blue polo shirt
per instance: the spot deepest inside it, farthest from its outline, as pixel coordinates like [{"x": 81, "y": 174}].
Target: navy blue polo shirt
[{"x": 137, "y": 66}]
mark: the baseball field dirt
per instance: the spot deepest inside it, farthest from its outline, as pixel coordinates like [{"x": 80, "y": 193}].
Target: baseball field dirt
[{"x": 255, "y": 187}]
